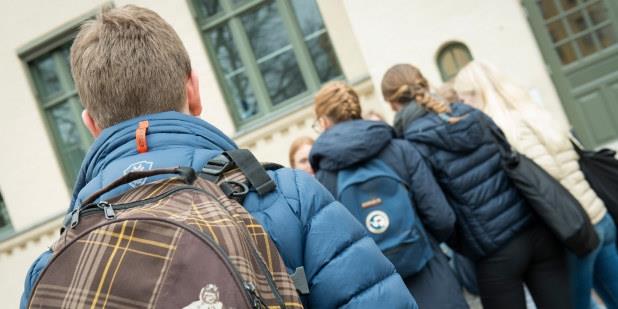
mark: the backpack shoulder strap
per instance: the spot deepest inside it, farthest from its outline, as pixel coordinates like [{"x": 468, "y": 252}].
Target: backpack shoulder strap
[{"x": 228, "y": 162}]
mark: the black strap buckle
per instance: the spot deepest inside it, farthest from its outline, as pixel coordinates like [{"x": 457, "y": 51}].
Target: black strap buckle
[{"x": 218, "y": 165}]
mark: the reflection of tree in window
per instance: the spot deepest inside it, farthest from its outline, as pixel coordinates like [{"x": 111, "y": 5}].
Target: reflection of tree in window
[
  {"x": 275, "y": 57},
  {"x": 267, "y": 50},
  {"x": 317, "y": 39},
  {"x": 234, "y": 71}
]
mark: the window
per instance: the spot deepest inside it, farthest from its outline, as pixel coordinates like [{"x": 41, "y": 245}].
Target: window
[
  {"x": 51, "y": 76},
  {"x": 451, "y": 58},
  {"x": 577, "y": 29},
  {"x": 267, "y": 54},
  {"x": 5, "y": 221}
]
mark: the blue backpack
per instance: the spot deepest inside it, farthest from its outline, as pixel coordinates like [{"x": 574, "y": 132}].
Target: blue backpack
[{"x": 378, "y": 197}]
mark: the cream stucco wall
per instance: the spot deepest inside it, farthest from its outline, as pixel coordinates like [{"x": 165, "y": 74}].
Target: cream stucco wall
[
  {"x": 403, "y": 31},
  {"x": 368, "y": 37}
]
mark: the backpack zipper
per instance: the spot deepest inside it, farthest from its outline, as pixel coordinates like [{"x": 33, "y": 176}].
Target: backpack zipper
[
  {"x": 109, "y": 212},
  {"x": 109, "y": 209}
]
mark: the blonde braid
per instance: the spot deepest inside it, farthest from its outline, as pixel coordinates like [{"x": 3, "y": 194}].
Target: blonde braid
[{"x": 337, "y": 101}]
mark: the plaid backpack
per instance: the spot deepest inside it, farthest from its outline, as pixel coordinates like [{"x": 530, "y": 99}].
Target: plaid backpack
[{"x": 182, "y": 242}]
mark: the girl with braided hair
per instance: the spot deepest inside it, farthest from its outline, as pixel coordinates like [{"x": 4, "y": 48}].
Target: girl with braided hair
[
  {"x": 350, "y": 145},
  {"x": 494, "y": 227}
]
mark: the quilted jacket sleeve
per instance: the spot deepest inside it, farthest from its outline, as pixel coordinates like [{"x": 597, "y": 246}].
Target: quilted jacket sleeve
[
  {"x": 344, "y": 267},
  {"x": 433, "y": 208},
  {"x": 33, "y": 275}
]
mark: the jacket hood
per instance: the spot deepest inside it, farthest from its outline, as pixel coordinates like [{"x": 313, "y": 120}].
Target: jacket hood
[
  {"x": 349, "y": 143},
  {"x": 465, "y": 135}
]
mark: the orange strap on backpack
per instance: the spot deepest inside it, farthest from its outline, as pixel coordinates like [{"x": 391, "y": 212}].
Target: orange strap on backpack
[{"x": 140, "y": 136}]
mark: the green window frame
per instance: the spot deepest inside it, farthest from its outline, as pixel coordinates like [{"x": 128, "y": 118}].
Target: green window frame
[
  {"x": 47, "y": 63},
  {"x": 269, "y": 56},
  {"x": 451, "y": 58},
  {"x": 578, "y": 29},
  {"x": 6, "y": 227}
]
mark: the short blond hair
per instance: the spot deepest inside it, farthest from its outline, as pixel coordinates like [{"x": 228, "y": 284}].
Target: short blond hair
[{"x": 129, "y": 62}]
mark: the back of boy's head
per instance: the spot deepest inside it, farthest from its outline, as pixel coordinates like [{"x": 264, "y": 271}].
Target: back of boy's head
[{"x": 129, "y": 62}]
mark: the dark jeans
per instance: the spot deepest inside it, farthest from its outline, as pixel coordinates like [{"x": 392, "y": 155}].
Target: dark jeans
[
  {"x": 435, "y": 286},
  {"x": 534, "y": 257}
]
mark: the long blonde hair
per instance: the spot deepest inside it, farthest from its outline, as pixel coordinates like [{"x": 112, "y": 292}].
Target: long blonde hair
[
  {"x": 506, "y": 103},
  {"x": 337, "y": 101},
  {"x": 403, "y": 83}
]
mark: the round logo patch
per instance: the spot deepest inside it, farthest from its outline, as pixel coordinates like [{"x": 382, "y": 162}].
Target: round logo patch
[{"x": 377, "y": 222}]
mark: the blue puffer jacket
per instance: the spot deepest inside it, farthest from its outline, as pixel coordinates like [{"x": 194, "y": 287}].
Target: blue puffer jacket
[
  {"x": 309, "y": 228},
  {"x": 466, "y": 163},
  {"x": 356, "y": 141}
]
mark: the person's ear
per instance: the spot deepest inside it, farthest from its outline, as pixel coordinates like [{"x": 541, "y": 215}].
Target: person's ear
[
  {"x": 194, "y": 100},
  {"x": 90, "y": 124}
]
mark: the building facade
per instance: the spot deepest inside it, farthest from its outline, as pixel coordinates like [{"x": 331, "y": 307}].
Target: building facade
[{"x": 261, "y": 61}]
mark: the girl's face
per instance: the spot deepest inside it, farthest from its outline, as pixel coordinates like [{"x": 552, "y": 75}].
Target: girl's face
[{"x": 301, "y": 159}]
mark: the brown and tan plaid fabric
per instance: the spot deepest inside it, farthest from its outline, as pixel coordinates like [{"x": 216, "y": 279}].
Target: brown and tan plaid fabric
[{"x": 190, "y": 249}]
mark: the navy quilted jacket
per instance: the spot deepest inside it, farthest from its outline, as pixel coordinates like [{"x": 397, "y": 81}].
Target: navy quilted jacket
[
  {"x": 309, "y": 228},
  {"x": 466, "y": 163}
]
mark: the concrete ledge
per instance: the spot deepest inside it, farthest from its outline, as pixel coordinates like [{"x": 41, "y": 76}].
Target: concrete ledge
[{"x": 34, "y": 233}]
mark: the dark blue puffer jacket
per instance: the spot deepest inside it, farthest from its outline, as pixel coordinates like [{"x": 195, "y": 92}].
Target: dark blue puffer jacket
[
  {"x": 466, "y": 163},
  {"x": 356, "y": 141},
  {"x": 308, "y": 227}
]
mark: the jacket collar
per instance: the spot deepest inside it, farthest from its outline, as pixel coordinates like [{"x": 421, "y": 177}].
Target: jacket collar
[{"x": 166, "y": 130}]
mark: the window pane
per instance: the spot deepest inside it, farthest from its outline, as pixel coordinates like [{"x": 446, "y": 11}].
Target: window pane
[
  {"x": 234, "y": 72},
  {"x": 282, "y": 77},
  {"x": 308, "y": 16},
  {"x": 207, "y": 8},
  {"x": 317, "y": 39},
  {"x": 275, "y": 57},
  {"x": 324, "y": 57},
  {"x": 566, "y": 53},
  {"x": 568, "y": 4},
  {"x": 242, "y": 93},
  {"x": 66, "y": 57},
  {"x": 265, "y": 30},
  {"x": 548, "y": 8},
  {"x": 72, "y": 158},
  {"x": 557, "y": 31},
  {"x": 65, "y": 124},
  {"x": 607, "y": 36},
  {"x": 448, "y": 65},
  {"x": 48, "y": 80},
  {"x": 598, "y": 13},
  {"x": 461, "y": 57},
  {"x": 221, "y": 41},
  {"x": 577, "y": 22},
  {"x": 586, "y": 45}
]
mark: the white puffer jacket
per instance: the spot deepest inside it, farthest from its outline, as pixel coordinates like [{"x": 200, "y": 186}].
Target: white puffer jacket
[{"x": 561, "y": 161}]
